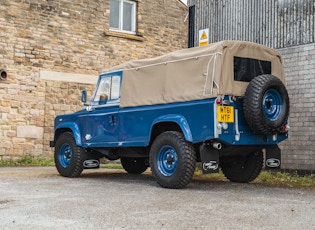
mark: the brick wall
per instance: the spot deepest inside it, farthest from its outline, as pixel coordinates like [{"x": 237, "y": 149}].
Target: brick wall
[
  {"x": 299, "y": 151},
  {"x": 72, "y": 37}
]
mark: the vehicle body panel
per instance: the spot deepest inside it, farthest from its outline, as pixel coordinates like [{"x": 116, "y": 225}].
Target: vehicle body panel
[{"x": 111, "y": 126}]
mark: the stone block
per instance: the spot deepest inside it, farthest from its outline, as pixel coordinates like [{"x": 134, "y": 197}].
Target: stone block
[{"x": 30, "y": 132}]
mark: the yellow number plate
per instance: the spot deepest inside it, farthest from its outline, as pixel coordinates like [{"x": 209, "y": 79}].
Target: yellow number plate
[{"x": 226, "y": 114}]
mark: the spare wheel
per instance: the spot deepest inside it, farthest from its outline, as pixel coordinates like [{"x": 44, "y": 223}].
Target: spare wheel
[{"x": 266, "y": 105}]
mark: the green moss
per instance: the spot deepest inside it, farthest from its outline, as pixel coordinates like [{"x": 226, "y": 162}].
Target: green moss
[
  {"x": 286, "y": 179},
  {"x": 27, "y": 161},
  {"x": 266, "y": 178}
]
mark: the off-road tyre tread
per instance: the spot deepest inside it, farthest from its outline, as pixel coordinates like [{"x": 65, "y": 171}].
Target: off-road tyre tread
[
  {"x": 250, "y": 170},
  {"x": 186, "y": 157},
  {"x": 252, "y": 105},
  {"x": 78, "y": 156},
  {"x": 134, "y": 165}
]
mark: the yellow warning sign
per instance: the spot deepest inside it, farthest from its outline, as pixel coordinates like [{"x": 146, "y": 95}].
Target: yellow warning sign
[
  {"x": 203, "y": 43},
  {"x": 203, "y": 37}
]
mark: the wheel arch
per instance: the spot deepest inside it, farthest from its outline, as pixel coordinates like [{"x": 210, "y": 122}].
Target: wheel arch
[
  {"x": 69, "y": 127},
  {"x": 172, "y": 122}
]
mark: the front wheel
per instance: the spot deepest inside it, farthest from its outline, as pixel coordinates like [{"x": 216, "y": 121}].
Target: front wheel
[
  {"x": 242, "y": 169},
  {"x": 68, "y": 156},
  {"x": 172, "y": 160}
]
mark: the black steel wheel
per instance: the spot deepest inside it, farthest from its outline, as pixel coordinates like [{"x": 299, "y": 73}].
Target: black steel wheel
[{"x": 172, "y": 160}]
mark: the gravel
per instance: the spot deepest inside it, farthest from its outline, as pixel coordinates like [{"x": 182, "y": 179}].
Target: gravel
[{"x": 38, "y": 198}]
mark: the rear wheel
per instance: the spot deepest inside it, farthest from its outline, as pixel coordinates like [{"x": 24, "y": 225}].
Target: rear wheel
[
  {"x": 172, "y": 160},
  {"x": 68, "y": 156},
  {"x": 134, "y": 165},
  {"x": 242, "y": 169}
]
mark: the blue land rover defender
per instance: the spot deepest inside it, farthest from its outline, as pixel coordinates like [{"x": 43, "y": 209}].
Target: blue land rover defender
[{"x": 224, "y": 105}]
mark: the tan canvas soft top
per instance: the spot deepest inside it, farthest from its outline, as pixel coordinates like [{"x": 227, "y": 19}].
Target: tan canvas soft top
[{"x": 191, "y": 74}]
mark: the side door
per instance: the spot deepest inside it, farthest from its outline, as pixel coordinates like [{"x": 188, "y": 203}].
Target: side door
[{"x": 102, "y": 122}]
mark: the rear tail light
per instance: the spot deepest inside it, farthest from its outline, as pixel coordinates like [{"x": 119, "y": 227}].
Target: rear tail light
[
  {"x": 286, "y": 128},
  {"x": 218, "y": 101}
]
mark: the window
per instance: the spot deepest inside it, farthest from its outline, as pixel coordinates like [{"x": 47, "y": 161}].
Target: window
[
  {"x": 123, "y": 16},
  {"x": 108, "y": 89},
  {"x": 245, "y": 69}
]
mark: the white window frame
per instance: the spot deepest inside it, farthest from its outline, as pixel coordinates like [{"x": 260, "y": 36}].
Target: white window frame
[{"x": 121, "y": 17}]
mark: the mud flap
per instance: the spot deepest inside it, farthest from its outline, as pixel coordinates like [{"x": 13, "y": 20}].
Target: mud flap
[
  {"x": 209, "y": 159},
  {"x": 273, "y": 157}
]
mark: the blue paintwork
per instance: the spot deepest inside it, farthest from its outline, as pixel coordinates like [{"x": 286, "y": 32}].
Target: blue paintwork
[
  {"x": 180, "y": 120},
  {"x": 167, "y": 161},
  {"x": 67, "y": 122},
  {"x": 137, "y": 123},
  {"x": 247, "y": 137},
  {"x": 108, "y": 125},
  {"x": 272, "y": 104}
]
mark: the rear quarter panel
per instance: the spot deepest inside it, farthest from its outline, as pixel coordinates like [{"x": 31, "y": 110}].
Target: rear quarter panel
[{"x": 137, "y": 122}]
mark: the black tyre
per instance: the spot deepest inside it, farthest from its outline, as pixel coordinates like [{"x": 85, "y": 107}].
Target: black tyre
[
  {"x": 134, "y": 165},
  {"x": 68, "y": 156},
  {"x": 172, "y": 160},
  {"x": 242, "y": 169},
  {"x": 266, "y": 105}
]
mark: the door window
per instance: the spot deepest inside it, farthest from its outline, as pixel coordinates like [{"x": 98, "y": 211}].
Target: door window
[{"x": 108, "y": 90}]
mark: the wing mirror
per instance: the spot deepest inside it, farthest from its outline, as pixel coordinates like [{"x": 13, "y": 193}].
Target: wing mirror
[{"x": 84, "y": 96}]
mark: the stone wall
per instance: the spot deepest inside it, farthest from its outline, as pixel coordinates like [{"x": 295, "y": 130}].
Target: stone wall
[
  {"x": 68, "y": 36},
  {"x": 299, "y": 149}
]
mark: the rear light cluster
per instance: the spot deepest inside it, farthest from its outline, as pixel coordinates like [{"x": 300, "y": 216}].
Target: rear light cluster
[
  {"x": 219, "y": 101},
  {"x": 285, "y": 128}
]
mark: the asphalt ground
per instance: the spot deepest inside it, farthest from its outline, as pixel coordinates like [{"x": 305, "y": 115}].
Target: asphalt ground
[{"x": 38, "y": 198}]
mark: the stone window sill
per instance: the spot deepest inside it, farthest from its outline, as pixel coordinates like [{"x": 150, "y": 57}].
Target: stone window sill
[{"x": 124, "y": 35}]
